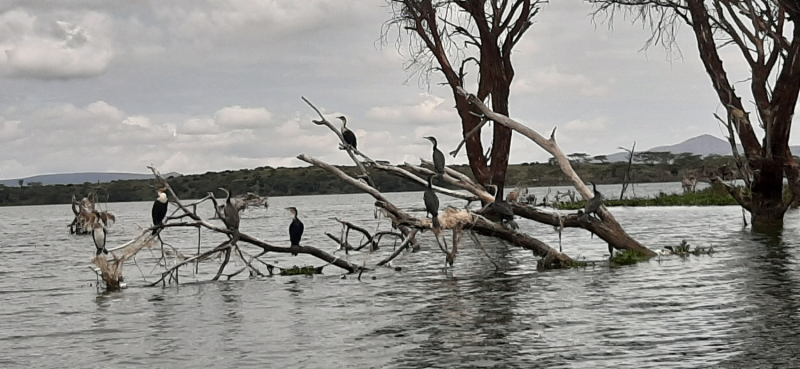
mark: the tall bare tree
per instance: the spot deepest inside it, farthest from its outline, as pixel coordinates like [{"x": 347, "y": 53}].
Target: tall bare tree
[
  {"x": 766, "y": 34},
  {"x": 455, "y": 36}
]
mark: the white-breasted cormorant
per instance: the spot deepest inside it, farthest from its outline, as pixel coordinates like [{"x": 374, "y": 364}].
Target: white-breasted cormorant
[
  {"x": 159, "y": 209},
  {"x": 99, "y": 236},
  {"x": 593, "y": 204},
  {"x": 349, "y": 136},
  {"x": 438, "y": 157},
  {"x": 431, "y": 203},
  {"x": 295, "y": 229}
]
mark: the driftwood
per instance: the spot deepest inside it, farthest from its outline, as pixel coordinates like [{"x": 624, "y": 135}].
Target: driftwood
[{"x": 606, "y": 227}]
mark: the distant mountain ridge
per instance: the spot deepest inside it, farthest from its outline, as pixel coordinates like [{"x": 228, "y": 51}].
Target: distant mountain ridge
[
  {"x": 702, "y": 145},
  {"x": 79, "y": 178}
]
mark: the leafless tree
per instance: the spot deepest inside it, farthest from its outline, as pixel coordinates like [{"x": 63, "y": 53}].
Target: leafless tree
[
  {"x": 454, "y": 37},
  {"x": 766, "y": 34}
]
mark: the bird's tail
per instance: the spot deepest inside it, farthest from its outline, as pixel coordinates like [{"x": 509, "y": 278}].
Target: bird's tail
[
  {"x": 435, "y": 221},
  {"x": 155, "y": 231}
]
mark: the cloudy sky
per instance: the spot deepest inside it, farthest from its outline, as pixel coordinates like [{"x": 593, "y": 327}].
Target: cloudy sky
[{"x": 203, "y": 85}]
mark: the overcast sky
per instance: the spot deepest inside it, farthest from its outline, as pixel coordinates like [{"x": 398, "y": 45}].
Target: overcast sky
[{"x": 201, "y": 85}]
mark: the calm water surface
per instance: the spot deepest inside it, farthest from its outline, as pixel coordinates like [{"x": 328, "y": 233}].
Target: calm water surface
[{"x": 737, "y": 309}]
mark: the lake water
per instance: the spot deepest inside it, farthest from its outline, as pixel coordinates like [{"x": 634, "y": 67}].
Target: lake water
[{"x": 736, "y": 309}]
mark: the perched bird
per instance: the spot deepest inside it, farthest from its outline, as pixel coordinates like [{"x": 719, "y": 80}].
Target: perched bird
[
  {"x": 438, "y": 158},
  {"x": 593, "y": 204},
  {"x": 229, "y": 212},
  {"x": 500, "y": 210},
  {"x": 99, "y": 236},
  {"x": 431, "y": 203},
  {"x": 349, "y": 136},
  {"x": 295, "y": 229},
  {"x": 160, "y": 209}
]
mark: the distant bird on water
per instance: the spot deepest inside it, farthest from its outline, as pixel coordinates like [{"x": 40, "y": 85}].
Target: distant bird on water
[
  {"x": 438, "y": 157},
  {"x": 432, "y": 203},
  {"x": 295, "y": 229},
  {"x": 349, "y": 136},
  {"x": 159, "y": 209},
  {"x": 593, "y": 204},
  {"x": 99, "y": 236}
]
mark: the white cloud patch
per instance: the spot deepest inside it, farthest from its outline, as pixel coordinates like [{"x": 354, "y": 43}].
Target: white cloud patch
[
  {"x": 10, "y": 130},
  {"x": 203, "y": 21},
  {"x": 42, "y": 46},
  {"x": 138, "y": 121},
  {"x": 102, "y": 109},
  {"x": 550, "y": 80},
  {"x": 239, "y": 117},
  {"x": 427, "y": 109},
  {"x": 592, "y": 126}
]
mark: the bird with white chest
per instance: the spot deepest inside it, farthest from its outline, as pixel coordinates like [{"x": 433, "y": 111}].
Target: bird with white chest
[{"x": 159, "y": 211}]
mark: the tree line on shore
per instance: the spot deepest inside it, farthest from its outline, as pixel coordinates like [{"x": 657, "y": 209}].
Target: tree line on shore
[{"x": 298, "y": 181}]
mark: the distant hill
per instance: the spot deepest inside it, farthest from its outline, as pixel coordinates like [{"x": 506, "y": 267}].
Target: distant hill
[
  {"x": 703, "y": 145},
  {"x": 79, "y": 178}
]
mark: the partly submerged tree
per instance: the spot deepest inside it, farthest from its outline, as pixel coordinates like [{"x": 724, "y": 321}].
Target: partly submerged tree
[
  {"x": 766, "y": 34},
  {"x": 457, "y": 36}
]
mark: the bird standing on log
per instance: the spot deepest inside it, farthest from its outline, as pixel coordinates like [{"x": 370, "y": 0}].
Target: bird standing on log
[
  {"x": 432, "y": 203},
  {"x": 593, "y": 204},
  {"x": 230, "y": 216},
  {"x": 438, "y": 158},
  {"x": 349, "y": 136},
  {"x": 159, "y": 209},
  {"x": 99, "y": 236},
  {"x": 500, "y": 210},
  {"x": 295, "y": 229}
]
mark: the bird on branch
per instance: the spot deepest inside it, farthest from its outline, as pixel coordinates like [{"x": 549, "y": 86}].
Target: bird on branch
[
  {"x": 230, "y": 216},
  {"x": 99, "y": 236},
  {"x": 349, "y": 136},
  {"x": 438, "y": 158},
  {"x": 593, "y": 204},
  {"x": 499, "y": 210},
  {"x": 431, "y": 203},
  {"x": 295, "y": 229},
  {"x": 159, "y": 209}
]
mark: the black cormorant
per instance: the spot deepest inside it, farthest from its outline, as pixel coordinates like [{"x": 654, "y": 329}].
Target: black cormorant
[
  {"x": 99, "y": 236},
  {"x": 432, "y": 203},
  {"x": 438, "y": 157},
  {"x": 501, "y": 210},
  {"x": 349, "y": 136},
  {"x": 295, "y": 229},
  {"x": 159, "y": 209},
  {"x": 593, "y": 204}
]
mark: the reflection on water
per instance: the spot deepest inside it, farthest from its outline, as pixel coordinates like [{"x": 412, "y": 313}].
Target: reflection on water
[{"x": 738, "y": 308}]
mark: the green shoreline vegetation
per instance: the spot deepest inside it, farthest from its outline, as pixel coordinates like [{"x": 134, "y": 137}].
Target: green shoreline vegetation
[{"x": 299, "y": 181}]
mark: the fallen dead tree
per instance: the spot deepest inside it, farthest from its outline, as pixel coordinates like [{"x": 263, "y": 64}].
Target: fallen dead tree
[
  {"x": 606, "y": 227},
  {"x": 455, "y": 220}
]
